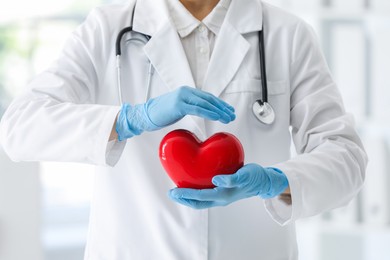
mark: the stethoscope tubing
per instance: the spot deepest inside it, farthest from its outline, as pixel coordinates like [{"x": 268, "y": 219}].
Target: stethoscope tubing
[
  {"x": 264, "y": 85},
  {"x": 262, "y": 110},
  {"x": 118, "y": 54}
]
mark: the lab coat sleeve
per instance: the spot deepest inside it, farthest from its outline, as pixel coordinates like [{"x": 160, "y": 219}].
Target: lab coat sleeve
[
  {"x": 57, "y": 118},
  {"x": 329, "y": 169}
]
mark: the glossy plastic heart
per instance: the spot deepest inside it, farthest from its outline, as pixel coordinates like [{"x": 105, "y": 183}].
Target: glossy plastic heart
[{"x": 191, "y": 163}]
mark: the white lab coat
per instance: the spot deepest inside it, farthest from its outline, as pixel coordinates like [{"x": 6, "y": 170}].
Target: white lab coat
[{"x": 68, "y": 113}]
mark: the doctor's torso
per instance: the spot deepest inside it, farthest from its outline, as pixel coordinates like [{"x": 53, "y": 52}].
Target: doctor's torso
[
  {"x": 69, "y": 110},
  {"x": 132, "y": 217}
]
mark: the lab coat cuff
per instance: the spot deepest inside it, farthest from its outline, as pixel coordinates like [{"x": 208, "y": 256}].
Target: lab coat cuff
[
  {"x": 280, "y": 211},
  {"x": 114, "y": 151},
  {"x": 108, "y": 155}
]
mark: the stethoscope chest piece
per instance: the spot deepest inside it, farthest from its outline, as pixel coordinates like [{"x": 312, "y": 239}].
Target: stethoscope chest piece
[{"x": 264, "y": 112}]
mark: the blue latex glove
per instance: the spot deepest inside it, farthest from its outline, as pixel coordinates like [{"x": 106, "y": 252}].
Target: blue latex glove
[
  {"x": 169, "y": 108},
  {"x": 251, "y": 180}
]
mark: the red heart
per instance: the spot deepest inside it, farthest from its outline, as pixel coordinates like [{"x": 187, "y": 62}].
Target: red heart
[{"x": 191, "y": 163}]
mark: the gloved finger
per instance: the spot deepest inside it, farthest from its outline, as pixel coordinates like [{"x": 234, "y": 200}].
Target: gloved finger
[
  {"x": 179, "y": 196},
  {"x": 213, "y": 99},
  {"x": 200, "y": 195},
  {"x": 224, "y": 112},
  {"x": 245, "y": 175},
  {"x": 205, "y": 113},
  {"x": 226, "y": 181},
  {"x": 237, "y": 179},
  {"x": 202, "y": 103},
  {"x": 195, "y": 204}
]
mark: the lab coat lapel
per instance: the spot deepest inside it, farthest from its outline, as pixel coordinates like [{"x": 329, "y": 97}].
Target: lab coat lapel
[
  {"x": 231, "y": 47},
  {"x": 164, "y": 49},
  {"x": 229, "y": 52},
  {"x": 167, "y": 55}
]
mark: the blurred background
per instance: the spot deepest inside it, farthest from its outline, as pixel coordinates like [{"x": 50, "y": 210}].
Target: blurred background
[{"x": 44, "y": 207}]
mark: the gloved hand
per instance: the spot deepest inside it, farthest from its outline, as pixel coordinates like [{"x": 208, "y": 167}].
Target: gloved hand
[
  {"x": 250, "y": 180},
  {"x": 169, "y": 108}
]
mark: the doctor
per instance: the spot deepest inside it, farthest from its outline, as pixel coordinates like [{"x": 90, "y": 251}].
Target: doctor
[{"x": 202, "y": 66}]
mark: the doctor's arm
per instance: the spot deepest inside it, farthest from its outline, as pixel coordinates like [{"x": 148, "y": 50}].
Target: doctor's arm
[
  {"x": 57, "y": 118},
  {"x": 329, "y": 169},
  {"x": 249, "y": 181},
  {"x": 169, "y": 108},
  {"x": 59, "y": 115}
]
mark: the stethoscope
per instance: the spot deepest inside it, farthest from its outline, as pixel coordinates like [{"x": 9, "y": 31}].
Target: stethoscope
[{"x": 262, "y": 110}]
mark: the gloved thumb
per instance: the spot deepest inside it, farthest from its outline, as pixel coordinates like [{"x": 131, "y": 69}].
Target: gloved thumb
[{"x": 226, "y": 181}]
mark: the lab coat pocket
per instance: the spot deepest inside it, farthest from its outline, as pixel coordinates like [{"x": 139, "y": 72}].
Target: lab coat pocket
[
  {"x": 242, "y": 94},
  {"x": 255, "y": 136},
  {"x": 254, "y": 86}
]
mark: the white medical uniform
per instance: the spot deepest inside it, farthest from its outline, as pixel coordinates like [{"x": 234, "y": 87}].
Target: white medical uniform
[{"x": 69, "y": 111}]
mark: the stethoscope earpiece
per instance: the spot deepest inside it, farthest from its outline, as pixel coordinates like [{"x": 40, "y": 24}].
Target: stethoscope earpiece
[{"x": 264, "y": 112}]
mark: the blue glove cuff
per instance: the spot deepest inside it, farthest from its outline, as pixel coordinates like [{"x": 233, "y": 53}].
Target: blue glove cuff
[
  {"x": 124, "y": 127},
  {"x": 133, "y": 121},
  {"x": 278, "y": 183}
]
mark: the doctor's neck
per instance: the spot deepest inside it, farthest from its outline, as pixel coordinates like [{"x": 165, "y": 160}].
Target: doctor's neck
[{"x": 199, "y": 8}]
